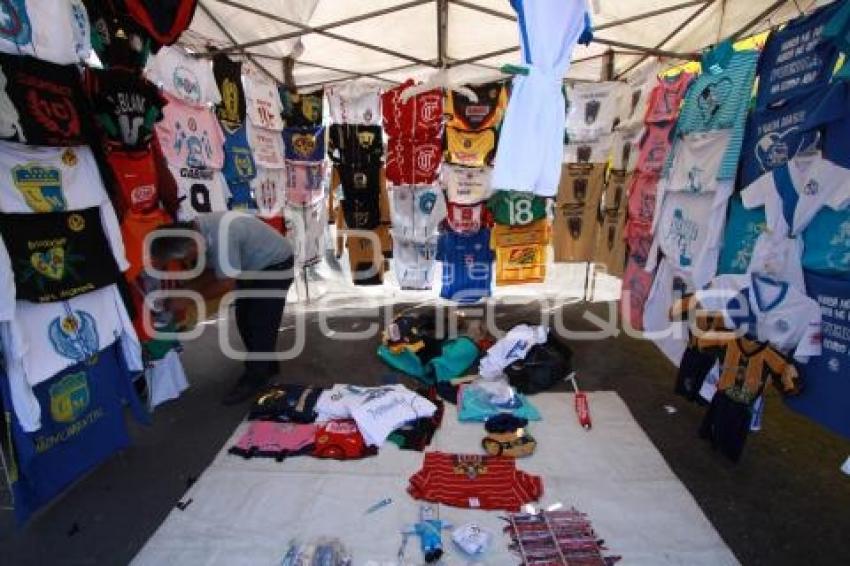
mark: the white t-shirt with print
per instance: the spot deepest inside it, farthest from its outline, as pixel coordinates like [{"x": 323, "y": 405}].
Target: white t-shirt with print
[
  {"x": 513, "y": 347},
  {"x": 263, "y": 103},
  {"x": 414, "y": 262},
  {"x": 625, "y": 148},
  {"x": 354, "y": 103},
  {"x": 593, "y": 110},
  {"x": 188, "y": 78},
  {"x": 635, "y": 98},
  {"x": 269, "y": 188},
  {"x": 53, "y": 30},
  {"x": 45, "y": 338},
  {"x": 267, "y": 146},
  {"x": 200, "y": 191},
  {"x": 697, "y": 159},
  {"x": 593, "y": 151},
  {"x": 417, "y": 210},
  {"x": 305, "y": 227},
  {"x": 466, "y": 185}
]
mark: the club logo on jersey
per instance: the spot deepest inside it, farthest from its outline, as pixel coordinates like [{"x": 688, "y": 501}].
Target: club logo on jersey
[
  {"x": 186, "y": 83},
  {"x": 15, "y": 22},
  {"x": 367, "y": 115},
  {"x": 683, "y": 232},
  {"x": 427, "y": 158},
  {"x": 69, "y": 157},
  {"x": 523, "y": 256},
  {"x": 229, "y": 111},
  {"x": 52, "y": 107},
  {"x": 304, "y": 144},
  {"x": 243, "y": 162},
  {"x": 427, "y": 202},
  {"x": 469, "y": 465},
  {"x": 366, "y": 139},
  {"x": 311, "y": 108},
  {"x": 591, "y": 112},
  {"x": 584, "y": 153},
  {"x": 360, "y": 180},
  {"x": 143, "y": 196},
  {"x": 50, "y": 263},
  {"x": 76, "y": 223},
  {"x": 430, "y": 107},
  {"x": 713, "y": 96},
  {"x": 74, "y": 335},
  {"x": 811, "y": 188},
  {"x": 41, "y": 187},
  {"x": 834, "y": 365},
  {"x": 772, "y": 151},
  {"x": 69, "y": 397}
]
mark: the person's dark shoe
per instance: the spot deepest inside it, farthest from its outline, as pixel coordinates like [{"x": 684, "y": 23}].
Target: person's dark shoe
[{"x": 245, "y": 389}]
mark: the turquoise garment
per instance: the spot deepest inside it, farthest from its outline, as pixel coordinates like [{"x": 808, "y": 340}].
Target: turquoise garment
[
  {"x": 719, "y": 98},
  {"x": 405, "y": 361},
  {"x": 457, "y": 356},
  {"x": 739, "y": 239},
  {"x": 476, "y": 406},
  {"x": 826, "y": 243}
]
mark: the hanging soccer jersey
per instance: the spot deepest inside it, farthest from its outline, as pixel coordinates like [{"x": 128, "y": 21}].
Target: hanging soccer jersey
[
  {"x": 417, "y": 211},
  {"x": 486, "y": 112},
  {"x": 719, "y": 99},
  {"x": 228, "y": 76},
  {"x": 473, "y": 149},
  {"x": 420, "y": 117},
  {"x": 520, "y": 252},
  {"x": 190, "y": 135},
  {"x": 654, "y": 147},
  {"x": 412, "y": 162},
  {"x": 354, "y": 103},
  {"x": 355, "y": 144},
  {"x": 116, "y": 38},
  {"x": 305, "y": 182},
  {"x": 51, "y": 31},
  {"x": 643, "y": 192},
  {"x": 593, "y": 151},
  {"x": 42, "y": 103},
  {"x": 241, "y": 196},
  {"x": 301, "y": 109},
  {"x": 199, "y": 191},
  {"x": 467, "y": 265},
  {"x": 468, "y": 219},
  {"x": 515, "y": 208},
  {"x": 185, "y": 77},
  {"x": 126, "y": 106},
  {"x": 635, "y": 99},
  {"x": 134, "y": 229},
  {"x": 361, "y": 188},
  {"x": 414, "y": 261},
  {"x": 625, "y": 148},
  {"x": 739, "y": 239},
  {"x": 270, "y": 192},
  {"x": 574, "y": 231},
  {"x": 666, "y": 98},
  {"x": 305, "y": 227},
  {"x": 610, "y": 243},
  {"x": 239, "y": 165},
  {"x": 615, "y": 191},
  {"x": 781, "y": 131},
  {"x": 263, "y": 103},
  {"x": 697, "y": 161},
  {"x": 826, "y": 244},
  {"x": 594, "y": 109},
  {"x": 304, "y": 144},
  {"x": 137, "y": 177},
  {"x": 267, "y": 146},
  {"x": 53, "y": 179},
  {"x": 581, "y": 182},
  {"x": 466, "y": 185},
  {"x": 797, "y": 59},
  {"x": 57, "y": 255}
]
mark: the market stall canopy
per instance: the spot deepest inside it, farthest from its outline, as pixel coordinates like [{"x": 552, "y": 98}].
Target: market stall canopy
[{"x": 391, "y": 40}]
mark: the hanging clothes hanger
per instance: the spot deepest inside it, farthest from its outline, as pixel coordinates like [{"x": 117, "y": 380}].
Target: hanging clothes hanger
[{"x": 440, "y": 79}]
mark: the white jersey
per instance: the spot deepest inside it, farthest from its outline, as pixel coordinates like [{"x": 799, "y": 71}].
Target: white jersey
[
  {"x": 263, "y": 103},
  {"x": 466, "y": 185},
  {"x": 199, "y": 191},
  {"x": 378, "y": 411},
  {"x": 635, "y": 98},
  {"x": 671, "y": 337},
  {"x": 55, "y": 31},
  {"x": 354, "y": 103},
  {"x": 696, "y": 163},
  {"x": 269, "y": 188},
  {"x": 267, "y": 146},
  {"x": 54, "y": 179},
  {"x": 166, "y": 379},
  {"x": 45, "y": 338},
  {"x": 189, "y": 78},
  {"x": 625, "y": 148},
  {"x": 414, "y": 262},
  {"x": 305, "y": 228},
  {"x": 593, "y": 109},
  {"x": 594, "y": 151},
  {"x": 417, "y": 210},
  {"x": 513, "y": 347}
]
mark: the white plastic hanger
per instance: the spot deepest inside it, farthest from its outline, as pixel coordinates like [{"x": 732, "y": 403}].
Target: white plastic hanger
[{"x": 440, "y": 79}]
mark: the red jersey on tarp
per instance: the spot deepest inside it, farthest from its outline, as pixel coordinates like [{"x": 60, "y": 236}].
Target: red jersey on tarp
[
  {"x": 474, "y": 482},
  {"x": 421, "y": 117}
]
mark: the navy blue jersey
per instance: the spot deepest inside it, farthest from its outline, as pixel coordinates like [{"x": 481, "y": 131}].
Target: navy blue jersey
[
  {"x": 467, "y": 265},
  {"x": 239, "y": 165},
  {"x": 304, "y": 144}
]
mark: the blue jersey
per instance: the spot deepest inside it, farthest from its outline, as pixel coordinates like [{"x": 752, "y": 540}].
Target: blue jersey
[
  {"x": 826, "y": 244},
  {"x": 467, "y": 265},
  {"x": 239, "y": 166},
  {"x": 739, "y": 238},
  {"x": 304, "y": 144},
  {"x": 82, "y": 424},
  {"x": 827, "y": 377},
  {"x": 798, "y": 59},
  {"x": 241, "y": 197},
  {"x": 775, "y": 135}
]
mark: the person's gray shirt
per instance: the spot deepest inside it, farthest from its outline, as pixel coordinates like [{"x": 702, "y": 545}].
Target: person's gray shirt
[{"x": 237, "y": 242}]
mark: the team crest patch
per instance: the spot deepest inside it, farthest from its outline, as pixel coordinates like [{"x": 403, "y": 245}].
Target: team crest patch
[
  {"x": 76, "y": 223},
  {"x": 366, "y": 139},
  {"x": 523, "y": 256},
  {"x": 812, "y": 188},
  {"x": 14, "y": 22},
  {"x": 304, "y": 144},
  {"x": 427, "y": 202},
  {"x": 229, "y": 109},
  {"x": 74, "y": 335},
  {"x": 69, "y": 398},
  {"x": 311, "y": 107},
  {"x": 69, "y": 157},
  {"x": 41, "y": 187},
  {"x": 50, "y": 263}
]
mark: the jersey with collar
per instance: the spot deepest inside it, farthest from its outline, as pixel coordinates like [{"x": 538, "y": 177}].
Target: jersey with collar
[
  {"x": 414, "y": 261},
  {"x": 190, "y": 136},
  {"x": 231, "y": 111},
  {"x": 164, "y": 21},
  {"x": 58, "y": 32},
  {"x": 354, "y": 103},
  {"x": 594, "y": 109},
  {"x": 417, "y": 211},
  {"x": 184, "y": 77},
  {"x": 267, "y": 146},
  {"x": 472, "y": 149},
  {"x": 116, "y": 38},
  {"x": 467, "y": 265},
  {"x": 466, "y": 185},
  {"x": 304, "y": 144},
  {"x": 486, "y": 112},
  {"x": 137, "y": 178},
  {"x": 239, "y": 165}
]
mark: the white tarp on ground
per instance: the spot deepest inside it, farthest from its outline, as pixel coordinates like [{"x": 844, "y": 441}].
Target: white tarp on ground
[
  {"x": 245, "y": 511},
  {"x": 413, "y": 33}
]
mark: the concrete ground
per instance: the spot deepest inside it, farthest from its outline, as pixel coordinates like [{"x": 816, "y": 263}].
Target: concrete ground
[{"x": 786, "y": 503}]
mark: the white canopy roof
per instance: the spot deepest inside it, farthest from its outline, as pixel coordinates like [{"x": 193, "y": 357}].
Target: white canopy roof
[{"x": 395, "y": 39}]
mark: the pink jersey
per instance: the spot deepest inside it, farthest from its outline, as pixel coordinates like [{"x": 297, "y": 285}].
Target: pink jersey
[
  {"x": 654, "y": 147},
  {"x": 642, "y": 195},
  {"x": 666, "y": 99},
  {"x": 304, "y": 182},
  {"x": 190, "y": 135}
]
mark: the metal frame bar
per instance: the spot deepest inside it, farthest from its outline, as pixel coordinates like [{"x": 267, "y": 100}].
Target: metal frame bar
[{"x": 306, "y": 29}]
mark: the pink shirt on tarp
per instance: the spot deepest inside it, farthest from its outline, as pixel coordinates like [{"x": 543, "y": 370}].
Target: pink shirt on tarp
[
  {"x": 274, "y": 439},
  {"x": 190, "y": 135}
]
